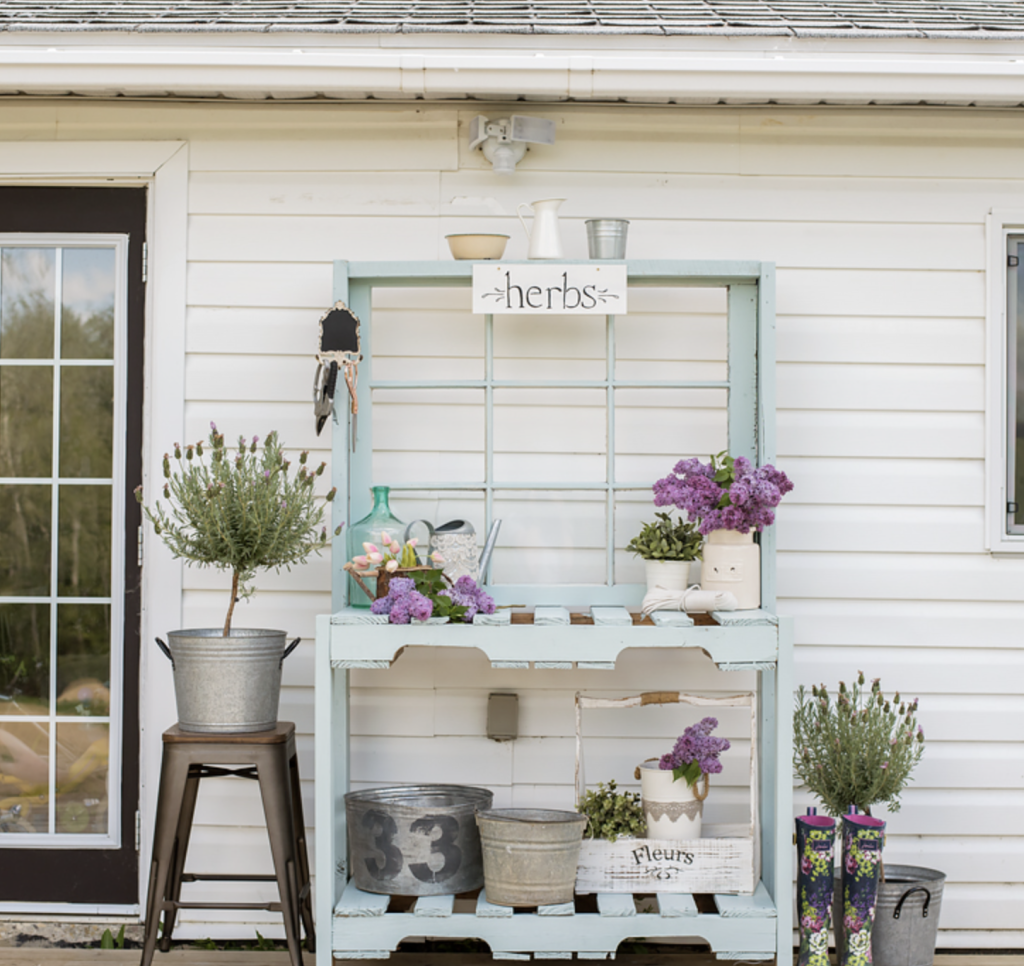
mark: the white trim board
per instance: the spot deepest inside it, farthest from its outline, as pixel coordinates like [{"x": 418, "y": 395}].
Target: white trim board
[{"x": 163, "y": 167}]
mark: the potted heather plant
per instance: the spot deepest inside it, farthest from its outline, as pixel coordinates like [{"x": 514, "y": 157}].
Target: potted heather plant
[
  {"x": 667, "y": 548},
  {"x": 240, "y": 511},
  {"x": 673, "y": 800},
  {"x": 730, "y": 499}
]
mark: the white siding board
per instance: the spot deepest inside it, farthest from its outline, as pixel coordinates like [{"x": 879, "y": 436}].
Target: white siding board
[
  {"x": 313, "y": 194},
  {"x": 890, "y": 388},
  {"x": 263, "y": 285},
  {"x": 836, "y": 482}
]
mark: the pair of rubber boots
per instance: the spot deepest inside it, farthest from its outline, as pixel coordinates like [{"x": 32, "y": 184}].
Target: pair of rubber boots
[{"x": 862, "y": 838}]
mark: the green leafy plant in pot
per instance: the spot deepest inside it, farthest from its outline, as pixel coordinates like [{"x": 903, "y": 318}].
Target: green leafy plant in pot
[
  {"x": 240, "y": 510},
  {"x": 667, "y": 547},
  {"x": 612, "y": 814}
]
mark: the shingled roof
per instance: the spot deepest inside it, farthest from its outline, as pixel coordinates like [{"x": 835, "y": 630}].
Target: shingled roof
[{"x": 795, "y": 18}]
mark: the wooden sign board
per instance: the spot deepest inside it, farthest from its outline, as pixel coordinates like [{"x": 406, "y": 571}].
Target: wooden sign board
[
  {"x": 721, "y": 865},
  {"x": 549, "y": 288}
]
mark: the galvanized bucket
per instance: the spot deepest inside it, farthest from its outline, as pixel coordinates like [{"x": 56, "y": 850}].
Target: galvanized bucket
[
  {"x": 906, "y": 916},
  {"x": 227, "y": 684},
  {"x": 416, "y": 840},
  {"x": 606, "y": 237},
  {"x": 530, "y": 855}
]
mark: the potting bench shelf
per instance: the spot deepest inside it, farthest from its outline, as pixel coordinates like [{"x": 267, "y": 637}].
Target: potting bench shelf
[
  {"x": 736, "y": 640},
  {"x": 571, "y": 628},
  {"x": 371, "y": 926}
]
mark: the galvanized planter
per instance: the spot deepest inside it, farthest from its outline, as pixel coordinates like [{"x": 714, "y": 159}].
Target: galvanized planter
[
  {"x": 227, "y": 685},
  {"x": 416, "y": 840},
  {"x": 530, "y": 855},
  {"x": 906, "y": 916}
]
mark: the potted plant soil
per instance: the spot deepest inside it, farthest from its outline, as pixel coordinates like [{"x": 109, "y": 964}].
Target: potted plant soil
[
  {"x": 239, "y": 510},
  {"x": 667, "y": 547},
  {"x": 855, "y": 751}
]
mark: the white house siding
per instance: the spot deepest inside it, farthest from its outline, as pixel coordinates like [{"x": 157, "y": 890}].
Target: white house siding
[{"x": 875, "y": 219}]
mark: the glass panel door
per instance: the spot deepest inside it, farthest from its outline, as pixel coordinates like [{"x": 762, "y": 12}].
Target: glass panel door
[{"x": 62, "y": 415}]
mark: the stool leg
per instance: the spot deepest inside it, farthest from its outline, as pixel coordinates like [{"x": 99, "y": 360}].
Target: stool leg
[
  {"x": 275, "y": 788},
  {"x": 184, "y": 832},
  {"x": 173, "y": 774},
  {"x": 302, "y": 856}
]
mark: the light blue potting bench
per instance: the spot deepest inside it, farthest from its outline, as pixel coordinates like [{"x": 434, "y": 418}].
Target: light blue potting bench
[{"x": 356, "y": 925}]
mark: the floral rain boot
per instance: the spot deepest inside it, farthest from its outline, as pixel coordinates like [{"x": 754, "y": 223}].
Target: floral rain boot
[
  {"x": 862, "y": 854},
  {"x": 815, "y": 839}
]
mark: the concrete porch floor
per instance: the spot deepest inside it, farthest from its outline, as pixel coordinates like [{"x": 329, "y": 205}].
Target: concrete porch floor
[{"x": 12, "y": 956}]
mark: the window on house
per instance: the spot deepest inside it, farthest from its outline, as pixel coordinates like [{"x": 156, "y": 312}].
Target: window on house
[{"x": 1015, "y": 385}]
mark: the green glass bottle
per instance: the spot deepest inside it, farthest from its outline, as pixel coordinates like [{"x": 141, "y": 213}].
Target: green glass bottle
[{"x": 368, "y": 530}]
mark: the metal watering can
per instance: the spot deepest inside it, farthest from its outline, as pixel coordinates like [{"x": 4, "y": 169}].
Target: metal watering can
[{"x": 455, "y": 541}]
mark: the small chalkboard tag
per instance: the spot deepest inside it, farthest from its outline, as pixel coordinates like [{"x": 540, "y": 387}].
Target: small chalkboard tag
[{"x": 339, "y": 336}]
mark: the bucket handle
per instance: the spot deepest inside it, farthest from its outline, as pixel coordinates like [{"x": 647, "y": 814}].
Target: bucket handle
[
  {"x": 910, "y": 892},
  {"x": 163, "y": 647},
  {"x": 291, "y": 647}
]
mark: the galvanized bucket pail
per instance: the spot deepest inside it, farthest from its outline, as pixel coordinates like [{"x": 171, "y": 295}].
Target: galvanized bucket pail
[
  {"x": 530, "y": 855},
  {"x": 227, "y": 684},
  {"x": 606, "y": 237},
  {"x": 906, "y": 916},
  {"x": 416, "y": 840}
]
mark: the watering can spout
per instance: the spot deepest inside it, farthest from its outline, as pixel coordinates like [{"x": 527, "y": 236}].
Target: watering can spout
[{"x": 485, "y": 555}]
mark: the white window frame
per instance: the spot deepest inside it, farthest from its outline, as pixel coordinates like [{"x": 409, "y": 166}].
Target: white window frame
[
  {"x": 1001, "y": 223},
  {"x": 163, "y": 167}
]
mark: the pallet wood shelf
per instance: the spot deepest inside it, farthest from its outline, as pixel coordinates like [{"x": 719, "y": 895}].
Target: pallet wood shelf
[{"x": 577, "y": 632}]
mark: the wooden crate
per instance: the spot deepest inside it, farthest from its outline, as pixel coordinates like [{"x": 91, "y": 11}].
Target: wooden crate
[{"x": 725, "y": 860}]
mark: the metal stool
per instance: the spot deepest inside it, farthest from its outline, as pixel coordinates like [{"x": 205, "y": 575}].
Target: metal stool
[{"x": 269, "y": 758}]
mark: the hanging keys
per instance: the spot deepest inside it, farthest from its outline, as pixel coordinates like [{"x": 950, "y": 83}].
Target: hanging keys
[{"x": 340, "y": 347}]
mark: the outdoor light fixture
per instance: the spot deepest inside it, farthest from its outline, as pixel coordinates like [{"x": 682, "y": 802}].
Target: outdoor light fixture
[{"x": 503, "y": 142}]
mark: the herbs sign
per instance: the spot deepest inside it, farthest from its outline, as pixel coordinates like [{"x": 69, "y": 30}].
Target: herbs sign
[{"x": 552, "y": 288}]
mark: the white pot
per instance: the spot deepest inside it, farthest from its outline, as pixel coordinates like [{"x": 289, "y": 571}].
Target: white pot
[
  {"x": 732, "y": 562},
  {"x": 671, "y": 808},
  {"x": 667, "y": 574}
]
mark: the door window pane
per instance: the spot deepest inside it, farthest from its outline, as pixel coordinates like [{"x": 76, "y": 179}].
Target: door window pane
[
  {"x": 86, "y": 421},
  {"x": 83, "y": 541},
  {"x": 25, "y": 547},
  {"x": 83, "y": 659},
  {"x": 26, "y": 303},
  {"x": 26, "y": 421},
  {"x": 24, "y": 776},
  {"x": 87, "y": 304},
  {"x": 83, "y": 764},
  {"x": 24, "y": 660}
]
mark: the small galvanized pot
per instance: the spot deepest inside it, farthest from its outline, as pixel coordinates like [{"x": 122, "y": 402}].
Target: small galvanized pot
[
  {"x": 226, "y": 685},
  {"x": 530, "y": 855},
  {"x": 416, "y": 840}
]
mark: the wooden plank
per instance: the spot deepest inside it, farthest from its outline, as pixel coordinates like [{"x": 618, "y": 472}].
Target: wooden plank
[
  {"x": 354, "y": 903},
  {"x": 551, "y": 616},
  {"x": 676, "y": 905},
  {"x": 671, "y": 618},
  {"x": 434, "y": 907},
  {"x": 611, "y": 616},
  {"x": 616, "y": 905},
  {"x": 499, "y": 618},
  {"x": 488, "y": 910},
  {"x": 558, "y": 909},
  {"x": 756, "y": 906},
  {"x": 744, "y": 618}
]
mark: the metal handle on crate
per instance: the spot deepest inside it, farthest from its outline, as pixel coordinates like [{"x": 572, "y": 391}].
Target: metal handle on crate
[
  {"x": 291, "y": 647},
  {"x": 163, "y": 647},
  {"x": 906, "y": 895}
]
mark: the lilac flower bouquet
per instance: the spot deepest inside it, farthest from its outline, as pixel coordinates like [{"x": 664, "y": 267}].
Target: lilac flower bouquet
[
  {"x": 725, "y": 494},
  {"x": 695, "y": 753},
  {"x": 424, "y": 595}
]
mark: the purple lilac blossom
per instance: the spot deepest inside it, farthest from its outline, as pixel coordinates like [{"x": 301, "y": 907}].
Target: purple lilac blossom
[
  {"x": 403, "y": 602},
  {"x": 748, "y": 504},
  {"x": 697, "y": 744},
  {"x": 466, "y": 593}
]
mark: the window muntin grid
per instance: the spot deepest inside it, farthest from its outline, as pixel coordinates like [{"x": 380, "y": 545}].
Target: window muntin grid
[{"x": 83, "y": 593}]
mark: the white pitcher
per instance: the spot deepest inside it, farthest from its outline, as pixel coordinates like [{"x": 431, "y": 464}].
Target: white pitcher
[{"x": 544, "y": 239}]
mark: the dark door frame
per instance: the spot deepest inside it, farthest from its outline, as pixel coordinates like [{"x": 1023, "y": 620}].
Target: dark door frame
[{"x": 107, "y": 876}]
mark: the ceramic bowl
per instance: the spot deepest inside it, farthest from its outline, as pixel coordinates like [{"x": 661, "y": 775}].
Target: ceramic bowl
[{"x": 477, "y": 246}]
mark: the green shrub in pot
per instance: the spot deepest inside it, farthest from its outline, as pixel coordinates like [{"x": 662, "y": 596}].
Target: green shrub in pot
[{"x": 666, "y": 539}]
